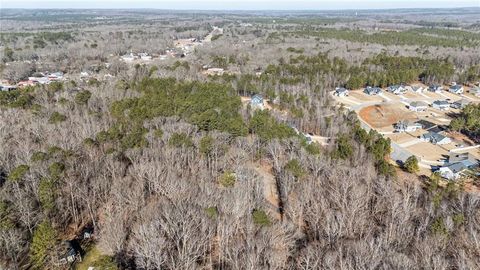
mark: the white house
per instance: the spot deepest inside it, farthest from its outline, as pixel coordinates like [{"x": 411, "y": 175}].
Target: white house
[
  {"x": 456, "y": 89},
  {"x": 441, "y": 105},
  {"x": 40, "y": 80},
  {"x": 396, "y": 89},
  {"x": 372, "y": 90},
  {"x": 145, "y": 56},
  {"x": 55, "y": 76},
  {"x": 418, "y": 89},
  {"x": 435, "y": 88},
  {"x": 457, "y": 170},
  {"x": 214, "y": 71},
  {"x": 418, "y": 106},
  {"x": 407, "y": 126},
  {"x": 128, "y": 57},
  {"x": 257, "y": 102},
  {"x": 341, "y": 92},
  {"x": 435, "y": 138}
]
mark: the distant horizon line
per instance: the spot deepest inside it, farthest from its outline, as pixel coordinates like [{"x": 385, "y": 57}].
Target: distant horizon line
[{"x": 180, "y": 9}]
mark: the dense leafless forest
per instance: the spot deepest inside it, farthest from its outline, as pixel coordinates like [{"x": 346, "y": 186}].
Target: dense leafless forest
[{"x": 154, "y": 163}]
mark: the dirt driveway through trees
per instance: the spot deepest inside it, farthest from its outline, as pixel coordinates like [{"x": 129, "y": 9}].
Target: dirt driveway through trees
[{"x": 270, "y": 189}]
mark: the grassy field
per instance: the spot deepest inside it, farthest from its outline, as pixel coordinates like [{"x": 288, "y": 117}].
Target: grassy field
[{"x": 92, "y": 256}]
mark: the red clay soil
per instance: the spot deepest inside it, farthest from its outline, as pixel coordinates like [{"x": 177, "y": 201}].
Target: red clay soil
[{"x": 379, "y": 116}]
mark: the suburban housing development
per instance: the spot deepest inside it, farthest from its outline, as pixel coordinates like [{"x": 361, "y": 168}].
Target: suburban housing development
[{"x": 137, "y": 136}]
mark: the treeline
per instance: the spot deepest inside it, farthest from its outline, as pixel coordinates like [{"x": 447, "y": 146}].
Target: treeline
[
  {"x": 384, "y": 70},
  {"x": 468, "y": 122},
  {"x": 422, "y": 37}
]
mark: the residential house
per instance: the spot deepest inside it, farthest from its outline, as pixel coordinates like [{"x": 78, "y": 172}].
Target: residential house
[
  {"x": 145, "y": 57},
  {"x": 55, "y": 76},
  {"x": 341, "y": 92},
  {"x": 308, "y": 138},
  {"x": 441, "y": 105},
  {"x": 214, "y": 71},
  {"x": 407, "y": 126},
  {"x": 407, "y": 87},
  {"x": 129, "y": 57},
  {"x": 459, "y": 165},
  {"x": 70, "y": 252},
  {"x": 257, "y": 102},
  {"x": 87, "y": 232},
  {"x": 372, "y": 90},
  {"x": 456, "y": 89},
  {"x": 418, "y": 89},
  {"x": 427, "y": 125},
  {"x": 397, "y": 89},
  {"x": 26, "y": 83},
  {"x": 475, "y": 91},
  {"x": 7, "y": 87},
  {"x": 435, "y": 138},
  {"x": 40, "y": 80},
  {"x": 435, "y": 88},
  {"x": 460, "y": 104},
  {"x": 418, "y": 106}
]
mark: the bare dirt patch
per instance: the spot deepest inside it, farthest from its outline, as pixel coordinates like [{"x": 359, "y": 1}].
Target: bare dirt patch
[
  {"x": 362, "y": 97},
  {"x": 461, "y": 138},
  {"x": 379, "y": 116},
  {"x": 428, "y": 151},
  {"x": 400, "y": 137}
]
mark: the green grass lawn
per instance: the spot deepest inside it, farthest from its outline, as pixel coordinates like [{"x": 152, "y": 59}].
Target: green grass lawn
[{"x": 92, "y": 255}]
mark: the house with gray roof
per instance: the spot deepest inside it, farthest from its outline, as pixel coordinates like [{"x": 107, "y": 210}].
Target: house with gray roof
[
  {"x": 418, "y": 106},
  {"x": 407, "y": 126},
  {"x": 397, "y": 89},
  {"x": 435, "y": 88},
  {"x": 435, "y": 138},
  {"x": 456, "y": 89},
  {"x": 460, "y": 104},
  {"x": 341, "y": 92},
  {"x": 442, "y": 105},
  {"x": 418, "y": 88},
  {"x": 257, "y": 102},
  {"x": 460, "y": 165},
  {"x": 372, "y": 90}
]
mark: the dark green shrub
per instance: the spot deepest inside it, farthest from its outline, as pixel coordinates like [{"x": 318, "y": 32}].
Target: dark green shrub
[
  {"x": 212, "y": 212},
  {"x": 295, "y": 168},
  {"x": 206, "y": 145},
  {"x": 82, "y": 97},
  {"x": 38, "y": 156},
  {"x": 180, "y": 140},
  {"x": 57, "y": 117},
  {"x": 18, "y": 173},
  {"x": 261, "y": 218},
  {"x": 411, "y": 164},
  {"x": 227, "y": 179}
]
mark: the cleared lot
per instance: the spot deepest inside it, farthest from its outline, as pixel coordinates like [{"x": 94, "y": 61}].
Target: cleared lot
[
  {"x": 381, "y": 116},
  {"x": 428, "y": 151},
  {"x": 362, "y": 97}
]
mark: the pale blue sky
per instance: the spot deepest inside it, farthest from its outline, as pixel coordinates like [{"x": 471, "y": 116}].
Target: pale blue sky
[{"x": 240, "y": 5}]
